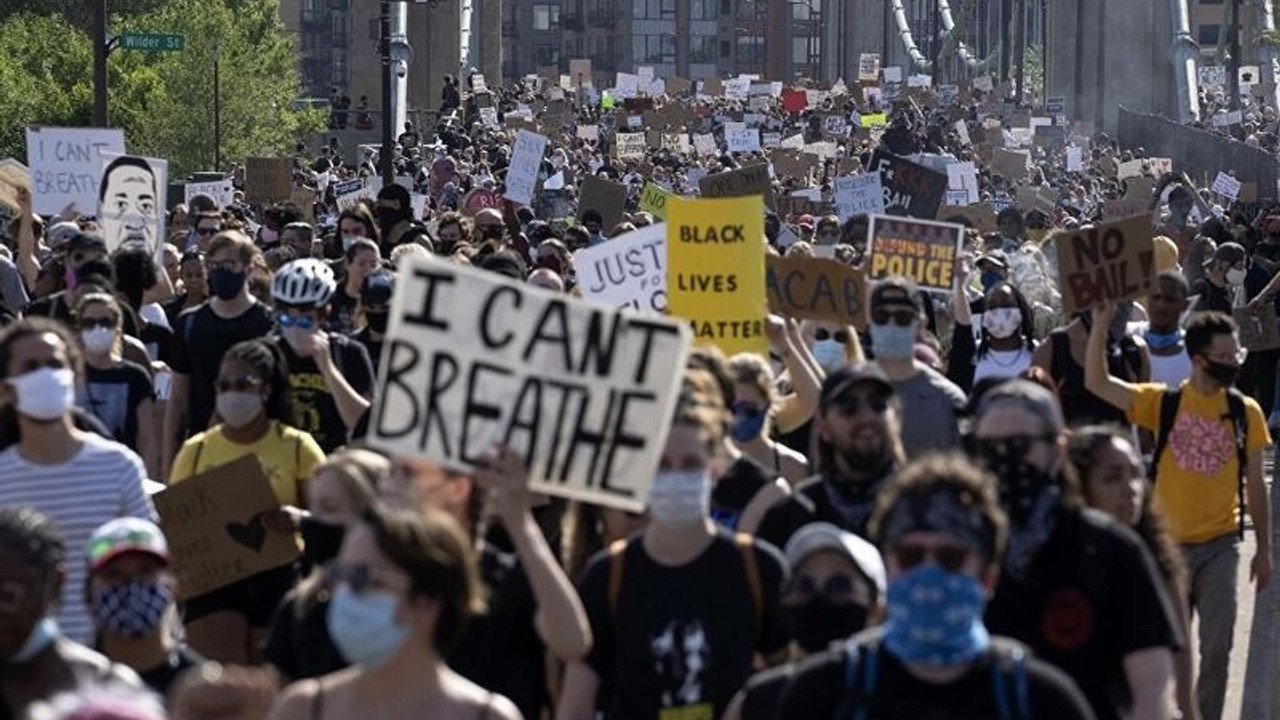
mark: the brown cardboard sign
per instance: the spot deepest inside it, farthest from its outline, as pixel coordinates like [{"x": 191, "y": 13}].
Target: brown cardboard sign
[
  {"x": 1107, "y": 262},
  {"x": 1009, "y": 164},
  {"x": 1258, "y": 326},
  {"x": 978, "y": 217},
  {"x": 753, "y": 180},
  {"x": 605, "y": 196},
  {"x": 268, "y": 180},
  {"x": 580, "y": 71},
  {"x": 816, "y": 289},
  {"x": 213, "y": 522},
  {"x": 14, "y": 176}
]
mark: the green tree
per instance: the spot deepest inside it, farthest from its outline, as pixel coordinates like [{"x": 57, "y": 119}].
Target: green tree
[{"x": 44, "y": 78}]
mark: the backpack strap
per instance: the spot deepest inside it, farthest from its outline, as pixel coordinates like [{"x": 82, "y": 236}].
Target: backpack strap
[
  {"x": 1009, "y": 677},
  {"x": 1168, "y": 413},
  {"x": 617, "y": 562},
  {"x": 751, "y": 568},
  {"x": 861, "y": 675},
  {"x": 1240, "y": 427}
]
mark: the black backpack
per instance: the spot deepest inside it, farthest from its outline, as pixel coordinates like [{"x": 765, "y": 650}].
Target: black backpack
[
  {"x": 1240, "y": 426},
  {"x": 862, "y": 674}
]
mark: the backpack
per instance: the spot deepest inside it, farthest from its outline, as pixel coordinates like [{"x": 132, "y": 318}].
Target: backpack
[
  {"x": 750, "y": 566},
  {"x": 1240, "y": 425},
  {"x": 862, "y": 674}
]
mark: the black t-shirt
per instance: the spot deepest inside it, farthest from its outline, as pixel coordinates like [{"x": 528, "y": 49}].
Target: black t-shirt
[
  {"x": 200, "y": 339},
  {"x": 1092, "y": 595},
  {"x": 162, "y": 677},
  {"x": 820, "y": 690},
  {"x": 342, "y": 311},
  {"x": 314, "y": 409},
  {"x": 681, "y": 637},
  {"x": 845, "y": 504},
  {"x": 113, "y": 396},
  {"x": 1212, "y": 297},
  {"x": 298, "y": 641},
  {"x": 501, "y": 650},
  {"x": 373, "y": 347}
]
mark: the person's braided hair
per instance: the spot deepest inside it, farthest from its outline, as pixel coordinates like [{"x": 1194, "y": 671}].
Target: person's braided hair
[
  {"x": 267, "y": 361},
  {"x": 32, "y": 536}
]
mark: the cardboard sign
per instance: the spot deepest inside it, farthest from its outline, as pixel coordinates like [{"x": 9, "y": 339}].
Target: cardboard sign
[
  {"x": 221, "y": 191},
  {"x": 868, "y": 67},
  {"x": 1258, "y": 326},
  {"x": 1075, "y": 159},
  {"x": 794, "y": 101},
  {"x": 742, "y": 140},
  {"x": 133, "y": 191},
  {"x": 705, "y": 144},
  {"x": 588, "y": 132},
  {"x": 14, "y": 176},
  {"x": 583, "y": 393},
  {"x": 859, "y": 194},
  {"x": 605, "y": 196},
  {"x": 1213, "y": 75},
  {"x": 213, "y": 524},
  {"x": 715, "y": 271},
  {"x": 1118, "y": 209},
  {"x": 1009, "y": 164},
  {"x": 350, "y": 192},
  {"x": 979, "y": 217},
  {"x": 1107, "y": 262},
  {"x": 816, "y": 289},
  {"x": 752, "y": 180},
  {"x": 627, "y": 272},
  {"x": 909, "y": 189},
  {"x": 526, "y": 160},
  {"x": 1235, "y": 117},
  {"x": 580, "y": 72},
  {"x": 268, "y": 180},
  {"x": 924, "y": 251},
  {"x": 66, "y": 166},
  {"x": 1226, "y": 186},
  {"x": 653, "y": 200},
  {"x": 630, "y": 145}
]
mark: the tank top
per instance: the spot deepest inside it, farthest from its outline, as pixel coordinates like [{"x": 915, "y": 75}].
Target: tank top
[
  {"x": 1170, "y": 369},
  {"x": 1079, "y": 406}
]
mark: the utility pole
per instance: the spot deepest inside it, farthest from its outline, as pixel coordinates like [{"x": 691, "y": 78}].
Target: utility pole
[
  {"x": 1233, "y": 68},
  {"x": 1020, "y": 17},
  {"x": 100, "y": 63},
  {"x": 384, "y": 47}
]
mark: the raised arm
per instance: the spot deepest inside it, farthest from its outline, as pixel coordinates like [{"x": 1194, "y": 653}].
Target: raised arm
[{"x": 1097, "y": 378}]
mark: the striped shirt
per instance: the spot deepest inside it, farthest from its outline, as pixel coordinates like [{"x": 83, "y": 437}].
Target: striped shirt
[{"x": 102, "y": 482}]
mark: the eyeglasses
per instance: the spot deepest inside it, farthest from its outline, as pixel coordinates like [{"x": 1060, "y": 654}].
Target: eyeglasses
[
  {"x": 901, "y": 318},
  {"x": 836, "y": 586},
  {"x": 244, "y": 383},
  {"x": 302, "y": 322},
  {"x": 92, "y": 323},
  {"x": 949, "y": 557},
  {"x": 853, "y": 404},
  {"x": 840, "y": 336}
]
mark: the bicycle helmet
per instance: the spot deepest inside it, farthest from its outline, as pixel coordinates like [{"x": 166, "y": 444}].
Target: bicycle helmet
[{"x": 305, "y": 282}]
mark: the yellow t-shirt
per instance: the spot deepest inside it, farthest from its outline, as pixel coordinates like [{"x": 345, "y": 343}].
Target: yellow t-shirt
[
  {"x": 1197, "y": 479},
  {"x": 285, "y": 453}
]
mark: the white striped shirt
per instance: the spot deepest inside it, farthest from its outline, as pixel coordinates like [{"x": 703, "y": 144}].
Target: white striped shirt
[{"x": 102, "y": 482}]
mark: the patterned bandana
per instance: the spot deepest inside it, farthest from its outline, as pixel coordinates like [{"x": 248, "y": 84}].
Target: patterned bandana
[{"x": 132, "y": 608}]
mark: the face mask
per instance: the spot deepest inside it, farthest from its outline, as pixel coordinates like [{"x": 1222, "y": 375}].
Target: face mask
[
  {"x": 98, "y": 340},
  {"x": 41, "y": 637},
  {"x": 1002, "y": 322},
  {"x": 268, "y": 236},
  {"x": 364, "y": 627},
  {"x": 680, "y": 497},
  {"x": 989, "y": 279},
  {"x": 1032, "y": 498},
  {"x": 893, "y": 342},
  {"x": 829, "y": 354},
  {"x": 299, "y": 339},
  {"x": 552, "y": 263},
  {"x": 819, "y": 622},
  {"x": 1159, "y": 341},
  {"x": 349, "y": 240},
  {"x": 1222, "y": 373},
  {"x": 1235, "y": 277},
  {"x": 46, "y": 394},
  {"x": 226, "y": 284},
  {"x": 388, "y": 217},
  {"x": 378, "y": 321},
  {"x": 130, "y": 609},
  {"x": 747, "y": 424},
  {"x": 321, "y": 541},
  {"x": 491, "y": 232},
  {"x": 238, "y": 409},
  {"x": 935, "y": 617}
]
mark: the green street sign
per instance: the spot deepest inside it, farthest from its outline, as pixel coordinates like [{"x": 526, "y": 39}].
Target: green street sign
[{"x": 153, "y": 42}]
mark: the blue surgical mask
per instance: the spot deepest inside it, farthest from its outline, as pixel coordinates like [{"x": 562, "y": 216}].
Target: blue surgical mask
[
  {"x": 1159, "y": 341},
  {"x": 363, "y": 626},
  {"x": 747, "y": 424},
  {"x": 829, "y": 354},
  {"x": 41, "y": 637},
  {"x": 893, "y": 342},
  {"x": 935, "y": 617},
  {"x": 989, "y": 279}
]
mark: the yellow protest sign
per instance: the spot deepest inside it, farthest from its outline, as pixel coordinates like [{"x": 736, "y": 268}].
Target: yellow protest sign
[
  {"x": 653, "y": 200},
  {"x": 716, "y": 271},
  {"x": 875, "y": 120}
]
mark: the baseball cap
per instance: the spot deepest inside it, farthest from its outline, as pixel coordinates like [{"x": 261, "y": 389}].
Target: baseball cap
[
  {"x": 125, "y": 535},
  {"x": 377, "y": 288},
  {"x": 820, "y": 536},
  {"x": 841, "y": 381},
  {"x": 896, "y": 290},
  {"x": 995, "y": 257},
  {"x": 60, "y": 234}
]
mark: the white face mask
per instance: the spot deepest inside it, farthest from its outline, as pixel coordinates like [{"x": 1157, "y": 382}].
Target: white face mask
[
  {"x": 1235, "y": 277},
  {"x": 829, "y": 354},
  {"x": 349, "y": 240},
  {"x": 98, "y": 340},
  {"x": 46, "y": 394},
  {"x": 238, "y": 409},
  {"x": 680, "y": 497},
  {"x": 1002, "y": 322}
]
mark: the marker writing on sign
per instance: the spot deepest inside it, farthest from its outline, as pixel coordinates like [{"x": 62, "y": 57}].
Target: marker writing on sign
[{"x": 1106, "y": 273}]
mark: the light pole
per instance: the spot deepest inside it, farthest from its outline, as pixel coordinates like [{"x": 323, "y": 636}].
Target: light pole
[{"x": 100, "y": 63}]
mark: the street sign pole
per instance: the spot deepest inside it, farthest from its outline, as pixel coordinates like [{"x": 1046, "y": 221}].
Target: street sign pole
[{"x": 100, "y": 63}]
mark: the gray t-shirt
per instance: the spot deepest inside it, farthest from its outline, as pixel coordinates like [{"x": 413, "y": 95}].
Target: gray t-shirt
[{"x": 930, "y": 405}]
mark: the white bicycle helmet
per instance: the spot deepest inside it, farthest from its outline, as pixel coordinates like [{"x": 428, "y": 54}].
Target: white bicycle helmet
[{"x": 306, "y": 282}]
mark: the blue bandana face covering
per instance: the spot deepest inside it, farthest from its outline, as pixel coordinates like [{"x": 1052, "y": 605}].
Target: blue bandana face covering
[
  {"x": 935, "y": 617},
  {"x": 1159, "y": 341}
]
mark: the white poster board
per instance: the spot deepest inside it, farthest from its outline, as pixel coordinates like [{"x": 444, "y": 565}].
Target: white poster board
[
  {"x": 66, "y": 165},
  {"x": 855, "y": 194},
  {"x": 628, "y": 272},
  {"x": 526, "y": 158},
  {"x": 132, "y": 208}
]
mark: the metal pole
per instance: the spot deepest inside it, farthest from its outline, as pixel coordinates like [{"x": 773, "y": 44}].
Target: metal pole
[
  {"x": 1233, "y": 79},
  {"x": 1021, "y": 19},
  {"x": 100, "y": 63},
  {"x": 217, "y": 114},
  {"x": 384, "y": 45}
]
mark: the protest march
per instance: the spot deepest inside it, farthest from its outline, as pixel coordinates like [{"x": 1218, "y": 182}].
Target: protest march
[{"x": 609, "y": 395}]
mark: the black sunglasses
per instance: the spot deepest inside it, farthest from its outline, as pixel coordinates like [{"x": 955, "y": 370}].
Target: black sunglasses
[
  {"x": 839, "y": 336},
  {"x": 949, "y": 557},
  {"x": 851, "y": 404},
  {"x": 901, "y": 318}
]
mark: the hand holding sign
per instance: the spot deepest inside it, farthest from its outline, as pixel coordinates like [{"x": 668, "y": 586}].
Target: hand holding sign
[
  {"x": 1107, "y": 262},
  {"x": 505, "y": 477}
]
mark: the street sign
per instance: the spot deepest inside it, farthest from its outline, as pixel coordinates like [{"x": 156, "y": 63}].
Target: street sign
[{"x": 153, "y": 42}]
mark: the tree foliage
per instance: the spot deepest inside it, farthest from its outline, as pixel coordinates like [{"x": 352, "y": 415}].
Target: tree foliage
[{"x": 164, "y": 100}]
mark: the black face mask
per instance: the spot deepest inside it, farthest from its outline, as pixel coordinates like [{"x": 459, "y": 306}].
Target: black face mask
[
  {"x": 388, "y": 217},
  {"x": 321, "y": 540},
  {"x": 1021, "y": 483},
  {"x": 819, "y": 622},
  {"x": 378, "y": 321},
  {"x": 1222, "y": 373}
]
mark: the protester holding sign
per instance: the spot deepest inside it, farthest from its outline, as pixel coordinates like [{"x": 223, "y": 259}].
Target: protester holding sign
[
  {"x": 1005, "y": 341},
  {"x": 753, "y": 407}
]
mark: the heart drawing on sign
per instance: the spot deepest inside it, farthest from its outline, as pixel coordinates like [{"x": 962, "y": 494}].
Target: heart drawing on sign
[{"x": 252, "y": 534}]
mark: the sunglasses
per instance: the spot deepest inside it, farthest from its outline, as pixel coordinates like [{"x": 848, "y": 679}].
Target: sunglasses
[
  {"x": 948, "y": 557},
  {"x": 840, "y": 336},
  {"x": 836, "y": 586},
  {"x": 302, "y": 322},
  {"x": 93, "y": 323},
  {"x": 853, "y": 404},
  {"x": 244, "y": 383},
  {"x": 901, "y": 318}
]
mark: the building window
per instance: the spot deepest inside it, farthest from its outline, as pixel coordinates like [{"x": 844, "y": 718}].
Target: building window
[
  {"x": 703, "y": 9},
  {"x": 703, "y": 49},
  {"x": 750, "y": 50},
  {"x": 546, "y": 17},
  {"x": 653, "y": 9},
  {"x": 339, "y": 77},
  {"x": 805, "y": 10},
  {"x": 653, "y": 49},
  {"x": 546, "y": 56},
  {"x": 1209, "y": 34}
]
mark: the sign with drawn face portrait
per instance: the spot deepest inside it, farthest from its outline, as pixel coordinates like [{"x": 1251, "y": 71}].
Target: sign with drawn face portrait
[{"x": 131, "y": 200}]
